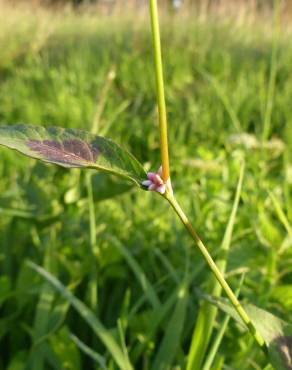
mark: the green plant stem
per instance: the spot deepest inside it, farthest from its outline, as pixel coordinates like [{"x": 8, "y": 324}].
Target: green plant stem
[
  {"x": 93, "y": 284},
  {"x": 160, "y": 90},
  {"x": 273, "y": 71},
  {"x": 232, "y": 297}
]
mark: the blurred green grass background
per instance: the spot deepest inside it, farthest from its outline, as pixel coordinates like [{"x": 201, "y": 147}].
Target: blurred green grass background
[{"x": 223, "y": 87}]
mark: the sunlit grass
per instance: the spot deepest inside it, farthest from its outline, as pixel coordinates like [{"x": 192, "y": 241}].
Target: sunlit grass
[{"x": 53, "y": 69}]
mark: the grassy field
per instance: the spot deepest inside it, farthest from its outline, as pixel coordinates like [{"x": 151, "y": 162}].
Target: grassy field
[{"x": 228, "y": 91}]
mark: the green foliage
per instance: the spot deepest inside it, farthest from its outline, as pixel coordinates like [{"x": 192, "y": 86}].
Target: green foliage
[
  {"x": 171, "y": 342},
  {"x": 276, "y": 332},
  {"x": 207, "y": 313},
  {"x": 99, "y": 330},
  {"x": 57, "y": 79}
]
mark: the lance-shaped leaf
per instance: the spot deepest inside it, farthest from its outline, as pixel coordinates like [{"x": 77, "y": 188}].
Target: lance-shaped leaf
[
  {"x": 72, "y": 148},
  {"x": 276, "y": 333}
]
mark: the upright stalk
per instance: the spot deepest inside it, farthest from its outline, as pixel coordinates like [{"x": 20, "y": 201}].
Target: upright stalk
[
  {"x": 166, "y": 177},
  {"x": 160, "y": 90}
]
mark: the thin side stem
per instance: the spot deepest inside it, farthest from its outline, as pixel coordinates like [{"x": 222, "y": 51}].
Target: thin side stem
[
  {"x": 232, "y": 297},
  {"x": 160, "y": 90}
]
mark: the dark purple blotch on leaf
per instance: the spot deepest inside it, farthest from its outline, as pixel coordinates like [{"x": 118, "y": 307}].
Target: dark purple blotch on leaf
[{"x": 71, "y": 152}]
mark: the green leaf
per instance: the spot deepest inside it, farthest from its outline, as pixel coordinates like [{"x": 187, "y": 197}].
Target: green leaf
[
  {"x": 72, "y": 148},
  {"x": 276, "y": 333}
]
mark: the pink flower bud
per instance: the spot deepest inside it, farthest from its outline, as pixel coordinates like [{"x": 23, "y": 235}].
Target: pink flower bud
[{"x": 155, "y": 182}]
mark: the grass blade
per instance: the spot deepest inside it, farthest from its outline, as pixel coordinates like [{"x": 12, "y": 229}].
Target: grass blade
[
  {"x": 224, "y": 99},
  {"x": 207, "y": 313},
  {"x": 89, "y": 352},
  {"x": 218, "y": 339},
  {"x": 273, "y": 71},
  {"x": 93, "y": 284},
  {"x": 139, "y": 273},
  {"x": 98, "y": 328},
  {"x": 281, "y": 215},
  {"x": 41, "y": 326},
  {"x": 172, "y": 337},
  {"x": 158, "y": 315}
]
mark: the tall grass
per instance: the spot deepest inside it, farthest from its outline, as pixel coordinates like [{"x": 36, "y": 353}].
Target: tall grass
[{"x": 53, "y": 70}]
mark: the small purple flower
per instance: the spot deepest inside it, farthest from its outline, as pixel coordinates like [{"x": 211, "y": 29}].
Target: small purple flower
[{"x": 155, "y": 182}]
